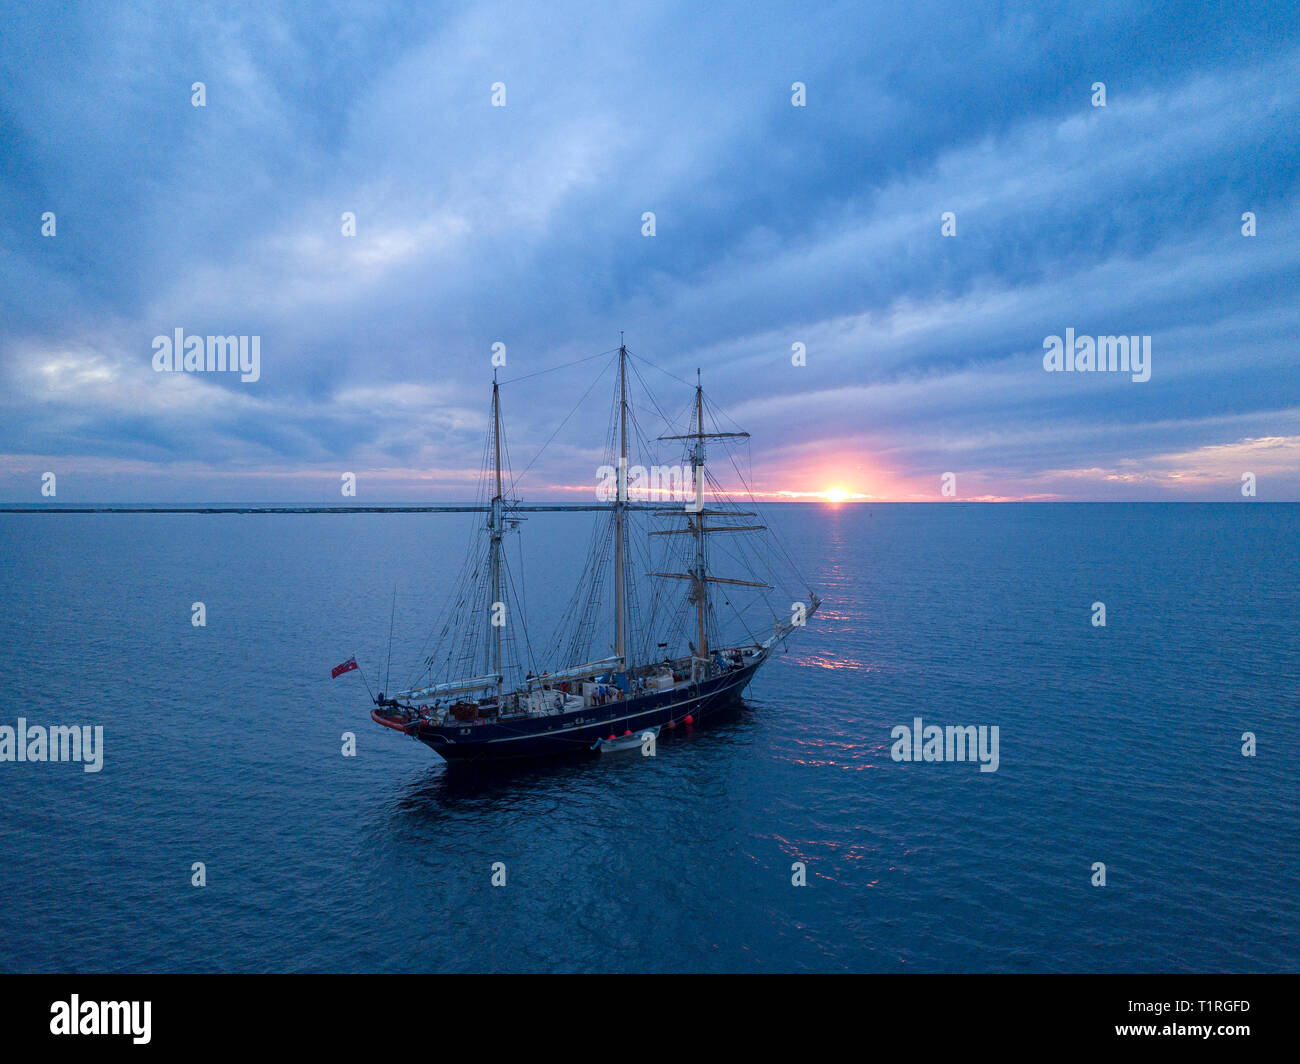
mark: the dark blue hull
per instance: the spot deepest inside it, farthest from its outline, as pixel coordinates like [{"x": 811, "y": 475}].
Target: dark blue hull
[{"x": 575, "y": 732}]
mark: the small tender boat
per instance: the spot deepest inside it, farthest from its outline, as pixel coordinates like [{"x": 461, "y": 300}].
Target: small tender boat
[{"x": 628, "y": 741}]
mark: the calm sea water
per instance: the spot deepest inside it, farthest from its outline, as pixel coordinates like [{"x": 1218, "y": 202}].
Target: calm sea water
[{"x": 1119, "y": 745}]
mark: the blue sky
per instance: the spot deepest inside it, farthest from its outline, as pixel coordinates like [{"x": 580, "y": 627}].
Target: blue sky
[{"x": 775, "y": 225}]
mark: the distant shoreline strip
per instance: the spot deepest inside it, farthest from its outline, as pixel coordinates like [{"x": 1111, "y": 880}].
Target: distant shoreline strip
[{"x": 580, "y": 507}]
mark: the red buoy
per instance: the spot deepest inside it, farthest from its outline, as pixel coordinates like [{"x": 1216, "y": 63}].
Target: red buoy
[
  {"x": 690, "y": 719},
  {"x": 671, "y": 725},
  {"x": 611, "y": 738},
  {"x": 628, "y": 732}
]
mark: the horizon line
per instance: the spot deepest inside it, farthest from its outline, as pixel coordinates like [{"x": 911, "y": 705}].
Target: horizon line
[{"x": 7, "y": 507}]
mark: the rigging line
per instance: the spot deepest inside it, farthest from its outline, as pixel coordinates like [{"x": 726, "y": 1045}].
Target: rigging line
[
  {"x": 392, "y": 616},
  {"x": 528, "y": 644},
  {"x": 454, "y": 607},
  {"x": 442, "y": 620},
  {"x": 511, "y": 651},
  {"x": 366, "y": 682},
  {"x": 665, "y": 372},
  {"x": 430, "y": 649},
  {"x": 552, "y": 369},
  {"x": 457, "y": 607},
  {"x": 580, "y": 614},
  {"x": 742, "y": 557},
  {"x": 776, "y": 542},
  {"x": 743, "y": 553},
  {"x": 594, "y": 381},
  {"x": 569, "y": 617},
  {"x": 718, "y": 412},
  {"x": 523, "y": 595},
  {"x": 655, "y": 402},
  {"x": 505, "y": 450}
]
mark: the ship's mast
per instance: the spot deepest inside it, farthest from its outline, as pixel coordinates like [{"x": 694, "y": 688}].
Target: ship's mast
[
  {"x": 696, "y": 516},
  {"x": 496, "y": 529},
  {"x": 620, "y": 514},
  {"x": 697, "y": 526}
]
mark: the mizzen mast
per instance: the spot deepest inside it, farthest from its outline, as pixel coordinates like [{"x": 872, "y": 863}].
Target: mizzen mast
[{"x": 696, "y": 514}]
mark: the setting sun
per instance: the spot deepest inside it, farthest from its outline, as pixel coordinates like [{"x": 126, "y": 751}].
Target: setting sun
[{"x": 835, "y": 494}]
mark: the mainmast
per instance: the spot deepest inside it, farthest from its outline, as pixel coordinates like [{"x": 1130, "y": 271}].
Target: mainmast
[
  {"x": 620, "y": 513},
  {"x": 496, "y": 530},
  {"x": 696, "y": 523}
]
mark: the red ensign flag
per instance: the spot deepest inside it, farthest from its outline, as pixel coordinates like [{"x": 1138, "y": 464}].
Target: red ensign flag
[{"x": 347, "y": 666}]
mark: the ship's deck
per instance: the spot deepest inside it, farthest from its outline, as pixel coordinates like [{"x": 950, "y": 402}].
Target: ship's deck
[{"x": 539, "y": 699}]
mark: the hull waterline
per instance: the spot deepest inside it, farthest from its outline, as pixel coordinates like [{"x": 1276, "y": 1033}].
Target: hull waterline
[{"x": 574, "y": 732}]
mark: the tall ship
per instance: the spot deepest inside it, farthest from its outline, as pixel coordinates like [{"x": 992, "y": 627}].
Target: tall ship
[{"x": 656, "y": 634}]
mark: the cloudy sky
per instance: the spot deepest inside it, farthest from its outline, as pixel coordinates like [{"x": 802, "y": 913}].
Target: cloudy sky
[{"x": 774, "y": 225}]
